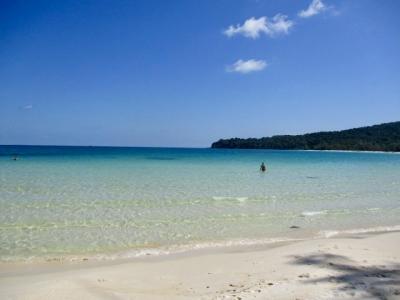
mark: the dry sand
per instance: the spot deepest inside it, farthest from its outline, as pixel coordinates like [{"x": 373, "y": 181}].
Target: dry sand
[{"x": 351, "y": 267}]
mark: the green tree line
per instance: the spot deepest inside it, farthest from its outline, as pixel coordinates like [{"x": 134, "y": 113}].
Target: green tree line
[{"x": 382, "y": 137}]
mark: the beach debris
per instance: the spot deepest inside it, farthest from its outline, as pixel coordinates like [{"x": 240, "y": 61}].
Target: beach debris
[{"x": 294, "y": 227}]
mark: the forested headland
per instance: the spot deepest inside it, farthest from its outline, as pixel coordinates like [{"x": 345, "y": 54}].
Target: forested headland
[{"x": 382, "y": 137}]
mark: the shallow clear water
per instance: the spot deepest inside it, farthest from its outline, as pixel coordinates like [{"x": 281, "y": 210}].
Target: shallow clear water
[{"x": 67, "y": 201}]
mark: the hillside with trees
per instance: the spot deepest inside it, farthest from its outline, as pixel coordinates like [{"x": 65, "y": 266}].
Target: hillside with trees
[{"x": 382, "y": 137}]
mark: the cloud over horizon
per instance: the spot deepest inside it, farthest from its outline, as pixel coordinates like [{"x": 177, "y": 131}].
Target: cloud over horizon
[
  {"x": 247, "y": 66},
  {"x": 252, "y": 28},
  {"x": 315, "y": 7}
]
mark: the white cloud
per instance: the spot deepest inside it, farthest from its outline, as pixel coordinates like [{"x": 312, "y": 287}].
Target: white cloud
[
  {"x": 252, "y": 28},
  {"x": 279, "y": 25},
  {"x": 315, "y": 7},
  {"x": 247, "y": 66},
  {"x": 29, "y": 106}
]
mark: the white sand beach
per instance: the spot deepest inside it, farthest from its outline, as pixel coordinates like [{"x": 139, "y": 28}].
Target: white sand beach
[
  {"x": 363, "y": 266},
  {"x": 199, "y": 150}
]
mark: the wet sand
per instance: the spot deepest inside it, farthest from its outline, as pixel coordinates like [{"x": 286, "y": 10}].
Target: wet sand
[{"x": 358, "y": 266}]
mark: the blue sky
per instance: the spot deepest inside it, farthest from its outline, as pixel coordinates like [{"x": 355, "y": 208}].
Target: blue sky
[{"x": 186, "y": 73}]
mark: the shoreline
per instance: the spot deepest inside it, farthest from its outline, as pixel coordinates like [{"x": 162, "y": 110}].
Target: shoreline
[
  {"x": 193, "y": 249},
  {"x": 363, "y": 265},
  {"x": 311, "y": 150}
]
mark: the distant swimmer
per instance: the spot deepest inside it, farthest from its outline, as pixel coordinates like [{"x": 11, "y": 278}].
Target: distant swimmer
[
  {"x": 15, "y": 157},
  {"x": 263, "y": 168}
]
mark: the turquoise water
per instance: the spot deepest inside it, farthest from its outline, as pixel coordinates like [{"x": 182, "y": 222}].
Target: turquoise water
[{"x": 58, "y": 202}]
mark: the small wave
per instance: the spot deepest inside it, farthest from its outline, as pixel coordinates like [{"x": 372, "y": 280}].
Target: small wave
[
  {"x": 328, "y": 233},
  {"x": 241, "y": 199},
  {"x": 373, "y": 209},
  {"x": 222, "y": 198},
  {"x": 217, "y": 198},
  {"x": 193, "y": 247},
  {"x": 196, "y": 246},
  {"x": 338, "y": 212},
  {"x": 313, "y": 213},
  {"x": 331, "y": 233},
  {"x": 178, "y": 249},
  {"x": 154, "y": 252}
]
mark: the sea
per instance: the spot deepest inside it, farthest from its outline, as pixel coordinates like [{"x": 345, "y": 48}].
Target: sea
[{"x": 69, "y": 203}]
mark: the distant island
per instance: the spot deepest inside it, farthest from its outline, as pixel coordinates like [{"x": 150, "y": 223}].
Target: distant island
[{"x": 382, "y": 137}]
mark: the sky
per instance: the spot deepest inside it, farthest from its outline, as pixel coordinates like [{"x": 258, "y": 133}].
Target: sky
[{"x": 187, "y": 73}]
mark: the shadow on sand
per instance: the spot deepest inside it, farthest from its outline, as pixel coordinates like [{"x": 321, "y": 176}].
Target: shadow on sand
[{"x": 354, "y": 280}]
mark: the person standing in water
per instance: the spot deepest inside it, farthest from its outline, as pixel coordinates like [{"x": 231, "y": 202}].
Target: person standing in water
[{"x": 263, "y": 168}]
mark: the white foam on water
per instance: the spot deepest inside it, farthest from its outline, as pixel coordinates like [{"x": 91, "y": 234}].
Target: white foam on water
[
  {"x": 221, "y": 198},
  {"x": 328, "y": 233},
  {"x": 331, "y": 233},
  {"x": 242, "y": 199},
  {"x": 218, "y": 198},
  {"x": 178, "y": 249},
  {"x": 313, "y": 213},
  {"x": 373, "y": 209}
]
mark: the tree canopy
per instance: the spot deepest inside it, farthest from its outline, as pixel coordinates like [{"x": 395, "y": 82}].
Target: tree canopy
[{"x": 382, "y": 137}]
